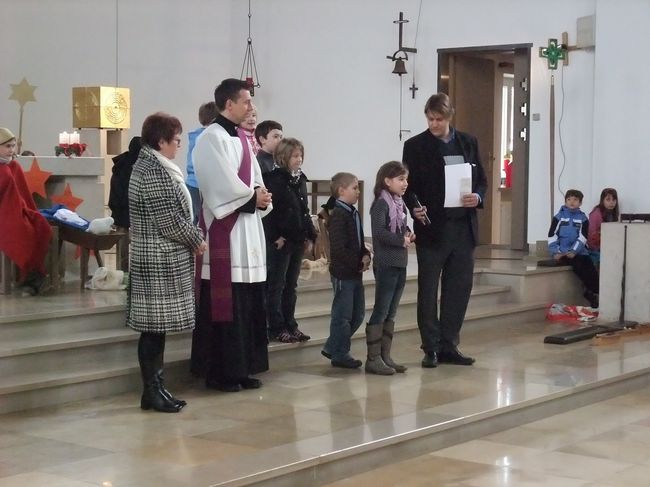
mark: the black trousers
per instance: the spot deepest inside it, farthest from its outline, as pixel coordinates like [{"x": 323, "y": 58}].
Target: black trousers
[
  {"x": 449, "y": 261},
  {"x": 584, "y": 268}
]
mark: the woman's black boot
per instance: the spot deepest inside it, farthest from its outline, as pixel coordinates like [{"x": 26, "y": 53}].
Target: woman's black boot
[
  {"x": 161, "y": 378},
  {"x": 150, "y": 346}
]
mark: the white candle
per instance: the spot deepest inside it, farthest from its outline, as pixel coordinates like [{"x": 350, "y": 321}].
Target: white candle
[
  {"x": 64, "y": 138},
  {"x": 74, "y": 137}
]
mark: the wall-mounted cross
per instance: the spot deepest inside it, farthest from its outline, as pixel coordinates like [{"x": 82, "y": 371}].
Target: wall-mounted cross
[
  {"x": 413, "y": 89},
  {"x": 553, "y": 53}
]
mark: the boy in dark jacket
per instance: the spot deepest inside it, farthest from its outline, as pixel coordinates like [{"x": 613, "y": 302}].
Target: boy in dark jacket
[
  {"x": 349, "y": 258},
  {"x": 567, "y": 239}
]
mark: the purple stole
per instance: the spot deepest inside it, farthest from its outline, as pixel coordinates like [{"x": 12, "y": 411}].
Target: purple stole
[{"x": 219, "y": 241}]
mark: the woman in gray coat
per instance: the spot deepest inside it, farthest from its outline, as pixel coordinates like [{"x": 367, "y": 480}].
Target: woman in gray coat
[{"x": 164, "y": 242}]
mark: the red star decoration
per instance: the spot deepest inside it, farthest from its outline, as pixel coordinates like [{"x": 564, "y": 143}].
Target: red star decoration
[
  {"x": 36, "y": 179},
  {"x": 67, "y": 199}
]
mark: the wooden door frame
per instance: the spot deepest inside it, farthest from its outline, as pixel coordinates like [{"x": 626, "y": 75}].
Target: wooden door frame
[{"x": 519, "y": 219}]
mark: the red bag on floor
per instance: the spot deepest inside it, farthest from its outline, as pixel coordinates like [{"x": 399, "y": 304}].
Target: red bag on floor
[{"x": 571, "y": 313}]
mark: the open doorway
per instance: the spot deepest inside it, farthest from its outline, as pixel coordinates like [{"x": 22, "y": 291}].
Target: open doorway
[{"x": 489, "y": 86}]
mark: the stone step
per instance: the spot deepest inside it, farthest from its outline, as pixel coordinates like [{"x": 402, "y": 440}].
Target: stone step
[
  {"x": 90, "y": 373},
  {"x": 320, "y": 292},
  {"x": 45, "y": 332},
  {"x": 398, "y": 438},
  {"x": 50, "y": 325},
  {"x": 66, "y": 349}
]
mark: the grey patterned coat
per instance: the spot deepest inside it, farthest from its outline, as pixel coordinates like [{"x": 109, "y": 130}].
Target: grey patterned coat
[{"x": 161, "y": 294}]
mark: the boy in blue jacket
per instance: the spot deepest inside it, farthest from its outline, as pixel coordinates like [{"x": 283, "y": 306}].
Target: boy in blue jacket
[{"x": 567, "y": 240}]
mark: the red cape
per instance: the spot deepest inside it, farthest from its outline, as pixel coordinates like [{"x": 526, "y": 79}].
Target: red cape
[{"x": 24, "y": 233}]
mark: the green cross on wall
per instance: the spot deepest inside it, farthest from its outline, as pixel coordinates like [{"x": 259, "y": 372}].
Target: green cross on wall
[{"x": 553, "y": 53}]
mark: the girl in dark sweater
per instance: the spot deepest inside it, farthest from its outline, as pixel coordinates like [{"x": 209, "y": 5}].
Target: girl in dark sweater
[{"x": 391, "y": 239}]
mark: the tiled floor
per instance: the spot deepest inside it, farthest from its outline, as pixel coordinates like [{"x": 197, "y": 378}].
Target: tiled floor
[
  {"x": 311, "y": 410},
  {"x": 604, "y": 444},
  {"x": 308, "y": 411}
]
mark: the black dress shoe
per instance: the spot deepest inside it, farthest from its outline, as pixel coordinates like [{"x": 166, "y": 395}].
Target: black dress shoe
[
  {"x": 325, "y": 354},
  {"x": 454, "y": 357},
  {"x": 347, "y": 363},
  {"x": 223, "y": 386},
  {"x": 430, "y": 360},
  {"x": 250, "y": 383}
]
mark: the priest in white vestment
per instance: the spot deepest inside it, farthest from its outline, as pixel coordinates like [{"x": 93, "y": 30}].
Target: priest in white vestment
[{"x": 230, "y": 340}]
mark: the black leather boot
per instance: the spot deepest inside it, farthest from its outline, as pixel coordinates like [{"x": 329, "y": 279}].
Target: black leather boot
[
  {"x": 150, "y": 346},
  {"x": 161, "y": 378}
]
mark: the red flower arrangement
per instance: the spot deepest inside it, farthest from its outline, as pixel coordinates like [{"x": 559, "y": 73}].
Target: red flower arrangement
[{"x": 70, "y": 149}]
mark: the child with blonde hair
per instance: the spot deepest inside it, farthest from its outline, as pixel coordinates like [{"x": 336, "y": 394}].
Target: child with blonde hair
[{"x": 349, "y": 259}]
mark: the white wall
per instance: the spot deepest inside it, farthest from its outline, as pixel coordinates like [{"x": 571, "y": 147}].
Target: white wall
[
  {"x": 622, "y": 103},
  {"x": 325, "y": 75},
  {"x": 326, "y": 78},
  {"x": 171, "y": 54}
]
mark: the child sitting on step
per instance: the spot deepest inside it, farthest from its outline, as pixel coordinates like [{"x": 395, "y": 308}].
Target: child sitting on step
[
  {"x": 391, "y": 239},
  {"x": 605, "y": 211},
  {"x": 567, "y": 243}
]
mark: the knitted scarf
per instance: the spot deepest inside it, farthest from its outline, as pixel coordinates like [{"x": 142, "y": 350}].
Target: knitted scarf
[{"x": 395, "y": 210}]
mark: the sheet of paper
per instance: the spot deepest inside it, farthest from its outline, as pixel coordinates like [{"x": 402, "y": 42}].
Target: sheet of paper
[{"x": 458, "y": 181}]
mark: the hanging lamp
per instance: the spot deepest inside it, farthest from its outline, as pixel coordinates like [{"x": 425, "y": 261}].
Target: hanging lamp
[{"x": 249, "y": 68}]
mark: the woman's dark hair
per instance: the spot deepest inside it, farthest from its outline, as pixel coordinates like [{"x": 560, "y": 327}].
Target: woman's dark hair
[
  {"x": 389, "y": 170},
  {"x": 160, "y": 126},
  {"x": 601, "y": 205}
]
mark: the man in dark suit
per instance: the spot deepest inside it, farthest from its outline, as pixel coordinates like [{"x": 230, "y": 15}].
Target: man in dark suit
[{"x": 446, "y": 236}]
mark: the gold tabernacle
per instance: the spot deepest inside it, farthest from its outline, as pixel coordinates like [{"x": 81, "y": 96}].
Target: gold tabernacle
[{"x": 104, "y": 107}]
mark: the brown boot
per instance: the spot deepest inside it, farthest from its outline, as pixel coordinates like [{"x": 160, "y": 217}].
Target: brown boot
[
  {"x": 386, "y": 344},
  {"x": 374, "y": 363}
]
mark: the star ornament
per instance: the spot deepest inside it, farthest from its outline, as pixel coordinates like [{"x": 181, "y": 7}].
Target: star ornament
[
  {"x": 67, "y": 199},
  {"x": 22, "y": 92},
  {"x": 36, "y": 179}
]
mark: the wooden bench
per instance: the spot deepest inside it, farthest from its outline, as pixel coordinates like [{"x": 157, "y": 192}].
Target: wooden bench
[{"x": 88, "y": 242}]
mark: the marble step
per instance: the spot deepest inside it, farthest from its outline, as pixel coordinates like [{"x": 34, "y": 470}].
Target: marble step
[
  {"x": 384, "y": 442},
  {"x": 76, "y": 330},
  {"x": 50, "y": 325},
  {"x": 89, "y": 373},
  {"x": 62, "y": 349},
  {"x": 315, "y": 293}
]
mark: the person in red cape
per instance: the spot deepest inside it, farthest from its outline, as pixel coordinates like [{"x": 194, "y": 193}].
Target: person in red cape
[{"x": 24, "y": 233}]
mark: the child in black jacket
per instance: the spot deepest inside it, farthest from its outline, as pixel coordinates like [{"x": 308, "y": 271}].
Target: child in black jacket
[
  {"x": 349, "y": 258},
  {"x": 288, "y": 229}
]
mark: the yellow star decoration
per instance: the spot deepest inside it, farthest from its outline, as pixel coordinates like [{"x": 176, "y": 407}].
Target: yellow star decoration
[{"x": 22, "y": 92}]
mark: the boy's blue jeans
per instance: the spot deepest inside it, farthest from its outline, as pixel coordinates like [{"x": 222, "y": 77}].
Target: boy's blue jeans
[
  {"x": 389, "y": 285},
  {"x": 348, "y": 311}
]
